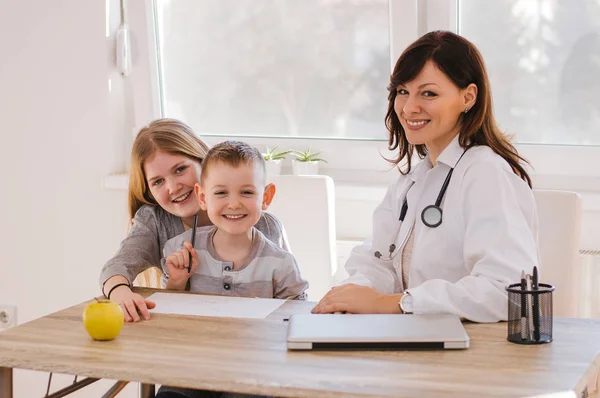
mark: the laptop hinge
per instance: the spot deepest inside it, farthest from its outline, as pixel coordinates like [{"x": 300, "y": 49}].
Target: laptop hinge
[{"x": 299, "y": 345}]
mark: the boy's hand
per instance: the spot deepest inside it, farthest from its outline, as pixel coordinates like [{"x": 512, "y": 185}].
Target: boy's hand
[{"x": 177, "y": 266}]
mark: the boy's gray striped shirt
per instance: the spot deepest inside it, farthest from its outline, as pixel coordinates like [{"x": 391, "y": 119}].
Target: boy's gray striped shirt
[{"x": 270, "y": 272}]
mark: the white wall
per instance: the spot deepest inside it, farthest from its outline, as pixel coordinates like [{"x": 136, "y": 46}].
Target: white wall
[{"x": 61, "y": 134}]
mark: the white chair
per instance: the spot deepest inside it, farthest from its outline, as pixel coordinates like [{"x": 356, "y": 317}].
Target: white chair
[
  {"x": 306, "y": 207},
  {"x": 559, "y": 214}
]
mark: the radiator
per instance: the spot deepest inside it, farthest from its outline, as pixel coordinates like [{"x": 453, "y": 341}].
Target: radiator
[{"x": 589, "y": 284}]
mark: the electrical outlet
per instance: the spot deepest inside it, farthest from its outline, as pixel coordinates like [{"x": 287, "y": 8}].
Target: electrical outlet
[{"x": 8, "y": 316}]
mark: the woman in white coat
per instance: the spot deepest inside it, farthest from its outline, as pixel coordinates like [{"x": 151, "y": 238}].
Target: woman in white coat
[{"x": 460, "y": 225}]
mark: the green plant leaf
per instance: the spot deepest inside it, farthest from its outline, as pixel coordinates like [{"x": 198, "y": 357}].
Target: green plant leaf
[
  {"x": 307, "y": 156},
  {"x": 273, "y": 154}
]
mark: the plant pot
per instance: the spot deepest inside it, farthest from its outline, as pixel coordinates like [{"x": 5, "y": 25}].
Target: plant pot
[
  {"x": 273, "y": 167},
  {"x": 305, "y": 168}
]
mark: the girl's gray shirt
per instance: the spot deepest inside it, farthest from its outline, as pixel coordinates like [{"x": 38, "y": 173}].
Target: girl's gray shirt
[{"x": 151, "y": 228}]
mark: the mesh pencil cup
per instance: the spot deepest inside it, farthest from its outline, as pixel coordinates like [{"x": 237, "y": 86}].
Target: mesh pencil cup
[{"x": 530, "y": 314}]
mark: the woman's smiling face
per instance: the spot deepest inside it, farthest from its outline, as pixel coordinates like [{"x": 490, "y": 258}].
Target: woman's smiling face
[
  {"x": 429, "y": 108},
  {"x": 171, "y": 179}
]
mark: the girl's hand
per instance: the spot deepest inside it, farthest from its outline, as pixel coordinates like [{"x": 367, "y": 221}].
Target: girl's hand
[
  {"x": 177, "y": 266},
  {"x": 132, "y": 304},
  {"x": 356, "y": 299}
]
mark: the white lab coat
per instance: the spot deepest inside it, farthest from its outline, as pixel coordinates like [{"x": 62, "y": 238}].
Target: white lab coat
[{"x": 488, "y": 235}]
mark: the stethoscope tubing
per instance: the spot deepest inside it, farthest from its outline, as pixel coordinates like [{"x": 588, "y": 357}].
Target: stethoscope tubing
[{"x": 428, "y": 209}]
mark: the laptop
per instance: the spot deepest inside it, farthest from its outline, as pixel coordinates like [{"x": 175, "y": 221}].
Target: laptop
[{"x": 376, "y": 332}]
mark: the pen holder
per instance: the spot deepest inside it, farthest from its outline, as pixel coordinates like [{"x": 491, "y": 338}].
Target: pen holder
[{"x": 530, "y": 314}]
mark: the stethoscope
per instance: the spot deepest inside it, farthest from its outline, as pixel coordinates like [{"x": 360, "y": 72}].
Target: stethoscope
[{"x": 431, "y": 215}]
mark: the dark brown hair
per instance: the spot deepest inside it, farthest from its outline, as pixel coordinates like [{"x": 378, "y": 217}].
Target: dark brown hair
[
  {"x": 460, "y": 60},
  {"x": 232, "y": 153}
]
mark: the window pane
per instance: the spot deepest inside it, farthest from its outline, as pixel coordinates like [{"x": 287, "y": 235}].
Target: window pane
[
  {"x": 543, "y": 57},
  {"x": 308, "y": 68}
]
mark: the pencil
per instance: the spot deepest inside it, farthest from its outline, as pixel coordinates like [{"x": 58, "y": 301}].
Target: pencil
[
  {"x": 536, "y": 305},
  {"x": 193, "y": 242}
]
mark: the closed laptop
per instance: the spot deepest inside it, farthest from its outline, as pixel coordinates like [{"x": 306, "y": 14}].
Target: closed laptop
[{"x": 376, "y": 331}]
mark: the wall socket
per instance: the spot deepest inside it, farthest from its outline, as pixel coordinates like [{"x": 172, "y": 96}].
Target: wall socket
[{"x": 8, "y": 316}]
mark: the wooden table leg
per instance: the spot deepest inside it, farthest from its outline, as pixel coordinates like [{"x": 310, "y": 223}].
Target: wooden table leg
[
  {"x": 6, "y": 382},
  {"x": 146, "y": 391}
]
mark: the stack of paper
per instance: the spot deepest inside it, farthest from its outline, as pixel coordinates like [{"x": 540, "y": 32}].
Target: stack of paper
[{"x": 220, "y": 306}]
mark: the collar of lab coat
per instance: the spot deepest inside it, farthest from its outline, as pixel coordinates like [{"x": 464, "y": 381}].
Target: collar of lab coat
[{"x": 449, "y": 156}]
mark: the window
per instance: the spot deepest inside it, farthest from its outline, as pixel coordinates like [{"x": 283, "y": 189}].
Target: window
[
  {"x": 543, "y": 58},
  {"x": 277, "y": 68}
]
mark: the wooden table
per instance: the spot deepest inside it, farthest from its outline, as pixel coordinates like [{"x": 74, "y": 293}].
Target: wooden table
[{"x": 250, "y": 356}]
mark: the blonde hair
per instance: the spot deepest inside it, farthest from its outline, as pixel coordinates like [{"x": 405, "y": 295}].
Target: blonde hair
[{"x": 166, "y": 135}]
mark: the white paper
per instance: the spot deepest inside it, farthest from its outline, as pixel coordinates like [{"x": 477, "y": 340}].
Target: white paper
[{"x": 219, "y": 306}]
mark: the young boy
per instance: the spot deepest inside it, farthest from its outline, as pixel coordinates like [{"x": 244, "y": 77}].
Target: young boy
[{"x": 232, "y": 257}]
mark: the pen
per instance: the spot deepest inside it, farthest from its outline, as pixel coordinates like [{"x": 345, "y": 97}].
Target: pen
[
  {"x": 193, "y": 242},
  {"x": 536, "y": 306},
  {"x": 523, "y": 307}
]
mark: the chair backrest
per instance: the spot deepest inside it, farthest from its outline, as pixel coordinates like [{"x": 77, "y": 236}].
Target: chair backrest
[
  {"x": 559, "y": 214},
  {"x": 306, "y": 207}
]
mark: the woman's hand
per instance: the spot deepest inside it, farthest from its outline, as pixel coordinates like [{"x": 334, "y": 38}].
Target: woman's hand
[
  {"x": 357, "y": 299},
  {"x": 132, "y": 304},
  {"x": 177, "y": 266}
]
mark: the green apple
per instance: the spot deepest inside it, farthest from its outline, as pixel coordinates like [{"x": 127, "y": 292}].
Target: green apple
[{"x": 103, "y": 319}]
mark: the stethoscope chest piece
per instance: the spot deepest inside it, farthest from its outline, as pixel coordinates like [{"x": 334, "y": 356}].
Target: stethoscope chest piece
[{"x": 432, "y": 216}]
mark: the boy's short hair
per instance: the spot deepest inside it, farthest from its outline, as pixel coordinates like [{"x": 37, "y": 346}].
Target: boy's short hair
[{"x": 233, "y": 153}]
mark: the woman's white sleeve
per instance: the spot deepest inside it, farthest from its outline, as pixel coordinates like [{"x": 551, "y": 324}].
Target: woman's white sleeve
[
  {"x": 362, "y": 266},
  {"x": 500, "y": 241}
]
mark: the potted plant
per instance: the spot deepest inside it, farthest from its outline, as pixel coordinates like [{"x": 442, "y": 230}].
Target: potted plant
[
  {"x": 273, "y": 160},
  {"x": 306, "y": 162}
]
